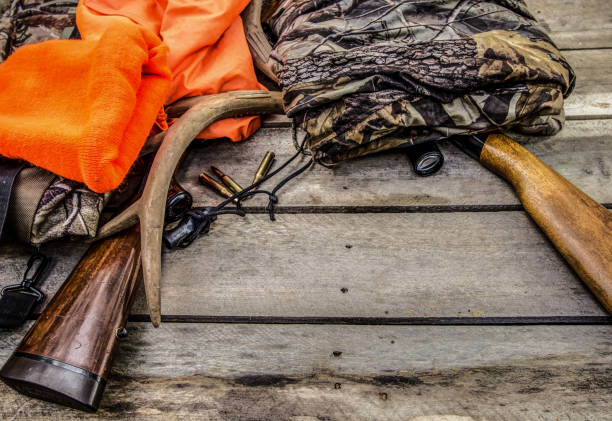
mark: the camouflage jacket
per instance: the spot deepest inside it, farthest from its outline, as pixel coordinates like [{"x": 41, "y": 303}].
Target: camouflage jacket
[{"x": 365, "y": 76}]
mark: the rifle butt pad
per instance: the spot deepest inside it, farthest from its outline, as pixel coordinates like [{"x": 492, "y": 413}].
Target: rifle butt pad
[{"x": 54, "y": 381}]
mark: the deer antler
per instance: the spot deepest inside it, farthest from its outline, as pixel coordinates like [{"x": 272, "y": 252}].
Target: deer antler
[
  {"x": 149, "y": 209},
  {"x": 258, "y": 43}
]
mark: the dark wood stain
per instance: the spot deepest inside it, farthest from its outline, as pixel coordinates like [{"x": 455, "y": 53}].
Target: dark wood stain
[{"x": 79, "y": 325}]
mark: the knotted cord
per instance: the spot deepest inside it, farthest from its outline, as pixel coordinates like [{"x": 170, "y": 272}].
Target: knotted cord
[{"x": 197, "y": 221}]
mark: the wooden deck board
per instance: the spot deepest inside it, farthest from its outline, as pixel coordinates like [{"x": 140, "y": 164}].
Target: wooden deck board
[
  {"x": 443, "y": 251},
  {"x": 583, "y": 24},
  {"x": 220, "y": 371},
  {"x": 399, "y": 265}
]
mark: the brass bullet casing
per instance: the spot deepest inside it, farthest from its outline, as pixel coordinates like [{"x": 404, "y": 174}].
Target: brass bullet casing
[
  {"x": 264, "y": 167},
  {"x": 227, "y": 180},
  {"x": 208, "y": 181}
]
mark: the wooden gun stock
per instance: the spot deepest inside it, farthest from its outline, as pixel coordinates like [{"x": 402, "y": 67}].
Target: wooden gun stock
[
  {"x": 579, "y": 227},
  {"x": 67, "y": 355}
]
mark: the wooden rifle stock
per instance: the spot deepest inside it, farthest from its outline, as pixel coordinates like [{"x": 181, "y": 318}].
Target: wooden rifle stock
[
  {"x": 578, "y": 226},
  {"x": 66, "y": 356}
]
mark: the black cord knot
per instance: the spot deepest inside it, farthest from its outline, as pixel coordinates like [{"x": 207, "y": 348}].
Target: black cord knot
[
  {"x": 272, "y": 201},
  {"x": 198, "y": 220}
]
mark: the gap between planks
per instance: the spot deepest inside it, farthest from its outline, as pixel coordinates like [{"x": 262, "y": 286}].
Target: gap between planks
[{"x": 384, "y": 321}]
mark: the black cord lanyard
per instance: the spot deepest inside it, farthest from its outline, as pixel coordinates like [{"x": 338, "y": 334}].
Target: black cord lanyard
[{"x": 197, "y": 221}]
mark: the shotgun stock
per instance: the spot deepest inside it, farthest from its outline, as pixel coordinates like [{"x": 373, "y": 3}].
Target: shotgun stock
[
  {"x": 66, "y": 356},
  {"x": 578, "y": 226}
]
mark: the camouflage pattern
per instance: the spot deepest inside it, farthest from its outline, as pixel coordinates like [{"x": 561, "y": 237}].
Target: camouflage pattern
[
  {"x": 29, "y": 21},
  {"x": 66, "y": 209},
  {"x": 365, "y": 76}
]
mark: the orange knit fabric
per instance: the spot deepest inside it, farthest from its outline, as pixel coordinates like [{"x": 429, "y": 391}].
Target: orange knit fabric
[
  {"x": 83, "y": 109},
  {"x": 208, "y": 52}
]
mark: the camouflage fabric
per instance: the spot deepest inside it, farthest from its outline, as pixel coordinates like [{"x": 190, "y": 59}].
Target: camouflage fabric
[
  {"x": 29, "y": 21},
  {"x": 66, "y": 209},
  {"x": 365, "y": 76}
]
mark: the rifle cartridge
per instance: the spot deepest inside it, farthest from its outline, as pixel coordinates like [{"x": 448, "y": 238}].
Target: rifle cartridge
[
  {"x": 264, "y": 167},
  {"x": 229, "y": 182},
  {"x": 208, "y": 181}
]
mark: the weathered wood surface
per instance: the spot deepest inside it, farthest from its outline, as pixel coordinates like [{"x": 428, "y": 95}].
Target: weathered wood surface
[
  {"x": 592, "y": 97},
  {"x": 582, "y": 153},
  {"x": 398, "y": 265},
  {"x": 583, "y": 24},
  {"x": 298, "y": 372},
  {"x": 445, "y": 261}
]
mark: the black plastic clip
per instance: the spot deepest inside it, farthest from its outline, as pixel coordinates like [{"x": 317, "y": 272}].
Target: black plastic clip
[{"x": 17, "y": 301}]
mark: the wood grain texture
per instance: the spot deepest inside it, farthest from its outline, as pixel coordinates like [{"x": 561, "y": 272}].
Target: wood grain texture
[
  {"x": 302, "y": 350},
  {"x": 200, "y": 371},
  {"x": 470, "y": 264},
  {"x": 582, "y": 153},
  {"x": 78, "y": 326},
  {"x": 579, "y": 227},
  {"x": 399, "y": 265},
  {"x": 575, "y": 24},
  {"x": 592, "y": 97}
]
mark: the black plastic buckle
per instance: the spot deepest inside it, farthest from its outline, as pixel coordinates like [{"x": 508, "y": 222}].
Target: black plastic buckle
[{"x": 17, "y": 301}]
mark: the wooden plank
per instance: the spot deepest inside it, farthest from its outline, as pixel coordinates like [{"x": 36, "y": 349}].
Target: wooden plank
[
  {"x": 592, "y": 97},
  {"x": 398, "y": 265},
  {"x": 575, "y": 24},
  {"x": 582, "y": 152},
  {"x": 199, "y": 371}
]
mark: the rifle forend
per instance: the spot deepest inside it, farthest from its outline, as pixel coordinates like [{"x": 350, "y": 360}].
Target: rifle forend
[{"x": 578, "y": 226}]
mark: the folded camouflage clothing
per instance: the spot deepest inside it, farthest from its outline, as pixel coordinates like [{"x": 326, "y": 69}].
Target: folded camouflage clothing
[
  {"x": 25, "y": 22},
  {"x": 366, "y": 76}
]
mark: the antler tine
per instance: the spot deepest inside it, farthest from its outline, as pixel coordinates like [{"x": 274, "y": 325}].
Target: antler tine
[
  {"x": 124, "y": 220},
  {"x": 258, "y": 43},
  {"x": 178, "y": 137}
]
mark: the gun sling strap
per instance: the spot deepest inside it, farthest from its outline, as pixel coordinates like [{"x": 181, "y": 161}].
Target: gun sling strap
[
  {"x": 9, "y": 169},
  {"x": 18, "y": 301}
]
